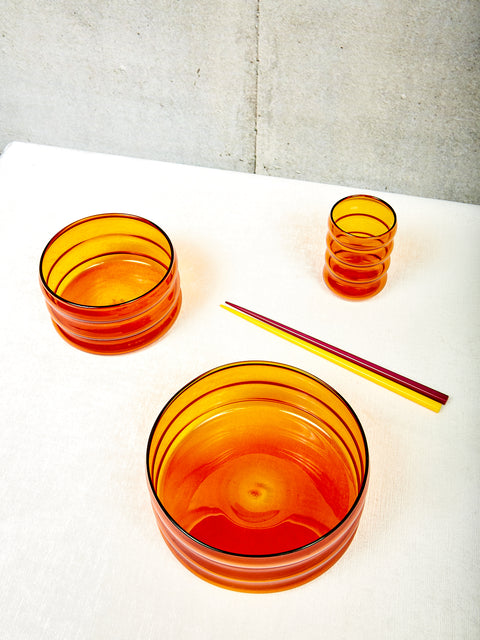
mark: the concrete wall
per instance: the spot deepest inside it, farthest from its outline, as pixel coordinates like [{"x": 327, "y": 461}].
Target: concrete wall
[{"x": 375, "y": 94}]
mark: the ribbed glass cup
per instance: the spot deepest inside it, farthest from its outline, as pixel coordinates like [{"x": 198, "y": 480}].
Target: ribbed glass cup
[
  {"x": 360, "y": 236},
  {"x": 111, "y": 283},
  {"x": 257, "y": 473}
]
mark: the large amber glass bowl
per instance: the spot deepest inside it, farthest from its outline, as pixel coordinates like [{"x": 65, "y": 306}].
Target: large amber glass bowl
[
  {"x": 257, "y": 473},
  {"x": 111, "y": 283}
]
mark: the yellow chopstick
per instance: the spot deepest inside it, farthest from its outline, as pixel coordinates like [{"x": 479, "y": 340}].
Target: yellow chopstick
[{"x": 410, "y": 394}]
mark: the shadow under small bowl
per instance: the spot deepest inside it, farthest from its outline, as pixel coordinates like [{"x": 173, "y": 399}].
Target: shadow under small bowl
[
  {"x": 257, "y": 473},
  {"x": 111, "y": 283}
]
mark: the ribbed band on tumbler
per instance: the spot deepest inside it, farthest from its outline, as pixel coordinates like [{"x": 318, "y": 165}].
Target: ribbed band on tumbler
[{"x": 360, "y": 236}]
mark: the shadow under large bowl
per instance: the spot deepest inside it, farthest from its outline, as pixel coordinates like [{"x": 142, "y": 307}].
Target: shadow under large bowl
[{"x": 257, "y": 473}]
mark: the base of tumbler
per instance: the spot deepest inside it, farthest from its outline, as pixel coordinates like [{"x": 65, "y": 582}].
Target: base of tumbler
[{"x": 353, "y": 290}]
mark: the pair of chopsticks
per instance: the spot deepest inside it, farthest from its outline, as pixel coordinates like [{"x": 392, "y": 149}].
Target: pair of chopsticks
[{"x": 415, "y": 391}]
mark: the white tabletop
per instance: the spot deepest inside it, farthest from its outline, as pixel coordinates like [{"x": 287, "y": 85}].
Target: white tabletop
[{"x": 80, "y": 552}]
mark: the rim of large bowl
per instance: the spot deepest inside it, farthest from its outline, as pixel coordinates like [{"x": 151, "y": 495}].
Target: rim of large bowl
[
  {"x": 261, "y": 555},
  {"x": 369, "y": 197},
  {"x": 118, "y": 304}
]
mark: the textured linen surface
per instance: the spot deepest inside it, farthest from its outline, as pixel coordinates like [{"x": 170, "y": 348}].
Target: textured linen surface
[{"x": 80, "y": 554}]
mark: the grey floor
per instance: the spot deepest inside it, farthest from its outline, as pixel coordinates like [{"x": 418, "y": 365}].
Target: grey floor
[{"x": 373, "y": 94}]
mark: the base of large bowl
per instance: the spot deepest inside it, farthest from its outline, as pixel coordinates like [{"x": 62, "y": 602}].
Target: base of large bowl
[{"x": 257, "y": 585}]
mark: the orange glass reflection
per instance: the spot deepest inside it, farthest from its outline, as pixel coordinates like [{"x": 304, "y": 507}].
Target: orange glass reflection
[
  {"x": 359, "y": 243},
  {"x": 257, "y": 473},
  {"x": 111, "y": 283}
]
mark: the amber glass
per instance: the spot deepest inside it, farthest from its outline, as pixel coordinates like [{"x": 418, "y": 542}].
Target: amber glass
[
  {"x": 111, "y": 283},
  {"x": 257, "y": 474},
  {"x": 359, "y": 243}
]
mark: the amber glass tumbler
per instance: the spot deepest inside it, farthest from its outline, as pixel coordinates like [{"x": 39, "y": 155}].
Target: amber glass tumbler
[
  {"x": 359, "y": 243},
  {"x": 111, "y": 283},
  {"x": 257, "y": 473}
]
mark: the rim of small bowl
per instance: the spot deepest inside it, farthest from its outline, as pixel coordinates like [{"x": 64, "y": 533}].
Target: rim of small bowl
[
  {"x": 241, "y": 363},
  {"x": 105, "y": 215},
  {"x": 369, "y": 197}
]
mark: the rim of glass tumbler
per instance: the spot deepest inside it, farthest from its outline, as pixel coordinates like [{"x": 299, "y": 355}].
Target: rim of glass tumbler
[
  {"x": 106, "y": 215},
  {"x": 364, "y": 195},
  {"x": 281, "y": 366}
]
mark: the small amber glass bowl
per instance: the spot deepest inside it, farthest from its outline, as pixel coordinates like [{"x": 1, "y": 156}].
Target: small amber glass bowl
[
  {"x": 111, "y": 283},
  {"x": 257, "y": 473}
]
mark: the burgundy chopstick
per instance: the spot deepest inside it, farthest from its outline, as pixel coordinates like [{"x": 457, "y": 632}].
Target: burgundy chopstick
[{"x": 375, "y": 368}]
